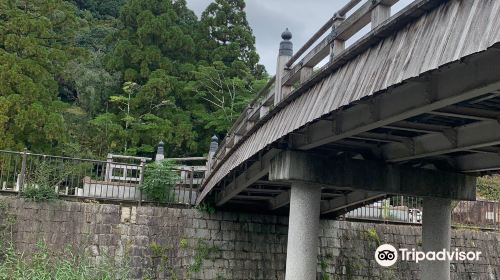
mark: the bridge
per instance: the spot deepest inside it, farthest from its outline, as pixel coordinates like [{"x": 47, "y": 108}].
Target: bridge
[{"x": 410, "y": 108}]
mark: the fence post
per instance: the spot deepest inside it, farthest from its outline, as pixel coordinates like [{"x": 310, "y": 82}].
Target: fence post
[
  {"x": 495, "y": 221},
  {"x": 141, "y": 180},
  {"x": 22, "y": 176},
  {"x": 109, "y": 171},
  {"x": 191, "y": 180}
]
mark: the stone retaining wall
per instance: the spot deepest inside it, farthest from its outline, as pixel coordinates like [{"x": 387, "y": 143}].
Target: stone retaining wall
[{"x": 171, "y": 243}]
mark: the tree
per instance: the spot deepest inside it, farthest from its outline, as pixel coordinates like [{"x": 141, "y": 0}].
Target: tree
[
  {"x": 228, "y": 83},
  {"x": 63, "y": 64},
  {"x": 224, "y": 97},
  {"x": 89, "y": 84},
  {"x": 100, "y": 8},
  {"x": 35, "y": 44},
  {"x": 229, "y": 35},
  {"x": 155, "y": 49}
]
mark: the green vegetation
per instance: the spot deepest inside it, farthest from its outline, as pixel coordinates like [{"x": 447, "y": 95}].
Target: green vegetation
[
  {"x": 86, "y": 77},
  {"x": 488, "y": 187},
  {"x": 202, "y": 252},
  {"x": 205, "y": 207},
  {"x": 371, "y": 234},
  {"x": 159, "y": 181},
  {"x": 42, "y": 180},
  {"x": 324, "y": 265},
  {"x": 46, "y": 265},
  {"x": 159, "y": 256},
  {"x": 183, "y": 243}
]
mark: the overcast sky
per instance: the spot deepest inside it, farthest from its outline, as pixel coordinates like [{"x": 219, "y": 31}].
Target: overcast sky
[{"x": 268, "y": 18}]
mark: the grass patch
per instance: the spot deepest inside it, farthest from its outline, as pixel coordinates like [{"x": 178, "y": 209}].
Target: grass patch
[{"x": 46, "y": 265}]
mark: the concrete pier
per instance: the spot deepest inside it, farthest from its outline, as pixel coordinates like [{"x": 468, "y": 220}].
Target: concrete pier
[
  {"x": 436, "y": 236},
  {"x": 302, "y": 246}
]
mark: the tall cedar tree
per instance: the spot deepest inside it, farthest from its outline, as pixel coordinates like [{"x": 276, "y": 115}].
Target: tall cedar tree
[
  {"x": 35, "y": 44},
  {"x": 156, "y": 51},
  {"x": 77, "y": 77},
  {"x": 233, "y": 76}
]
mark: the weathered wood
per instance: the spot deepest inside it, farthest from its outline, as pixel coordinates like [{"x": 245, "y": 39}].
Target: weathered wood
[
  {"x": 348, "y": 200},
  {"x": 256, "y": 171},
  {"x": 472, "y": 136},
  {"x": 345, "y": 30},
  {"x": 280, "y": 200},
  {"x": 405, "y": 102},
  {"x": 263, "y": 110},
  {"x": 340, "y": 14},
  {"x": 380, "y": 14},
  {"x": 391, "y": 77},
  {"x": 305, "y": 73}
]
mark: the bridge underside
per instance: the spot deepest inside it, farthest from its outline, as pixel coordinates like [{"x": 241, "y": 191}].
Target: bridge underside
[{"x": 445, "y": 120}]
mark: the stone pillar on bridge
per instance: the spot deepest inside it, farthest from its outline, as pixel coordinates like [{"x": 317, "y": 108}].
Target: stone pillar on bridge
[
  {"x": 214, "y": 145},
  {"x": 436, "y": 236},
  {"x": 303, "y": 232},
  {"x": 285, "y": 53},
  {"x": 160, "y": 152}
]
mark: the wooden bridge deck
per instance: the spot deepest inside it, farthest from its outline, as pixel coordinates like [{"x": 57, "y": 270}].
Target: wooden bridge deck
[{"x": 421, "y": 88}]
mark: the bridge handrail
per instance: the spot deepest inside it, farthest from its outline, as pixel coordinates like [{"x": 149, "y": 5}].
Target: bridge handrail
[
  {"x": 342, "y": 29},
  {"x": 340, "y": 14},
  {"x": 375, "y": 11},
  {"x": 253, "y": 107}
]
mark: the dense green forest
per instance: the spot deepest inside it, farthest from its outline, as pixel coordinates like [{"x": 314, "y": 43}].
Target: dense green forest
[{"x": 88, "y": 77}]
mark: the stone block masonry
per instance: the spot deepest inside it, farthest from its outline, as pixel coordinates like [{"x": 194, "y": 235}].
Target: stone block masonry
[{"x": 171, "y": 243}]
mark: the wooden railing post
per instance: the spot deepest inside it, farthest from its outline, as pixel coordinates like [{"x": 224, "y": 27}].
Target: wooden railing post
[
  {"x": 214, "y": 145},
  {"x": 285, "y": 53},
  {"x": 380, "y": 13},
  {"x": 337, "y": 45}
]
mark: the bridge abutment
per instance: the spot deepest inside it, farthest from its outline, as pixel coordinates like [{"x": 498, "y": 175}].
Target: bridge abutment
[
  {"x": 436, "y": 236},
  {"x": 303, "y": 231}
]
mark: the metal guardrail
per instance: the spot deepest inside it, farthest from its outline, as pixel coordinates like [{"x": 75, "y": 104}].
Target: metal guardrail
[
  {"x": 400, "y": 209},
  {"x": 117, "y": 178}
]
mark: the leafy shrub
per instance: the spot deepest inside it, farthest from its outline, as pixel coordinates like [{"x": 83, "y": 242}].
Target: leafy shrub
[
  {"x": 42, "y": 180},
  {"x": 159, "y": 181},
  {"x": 39, "y": 192},
  {"x": 488, "y": 187}
]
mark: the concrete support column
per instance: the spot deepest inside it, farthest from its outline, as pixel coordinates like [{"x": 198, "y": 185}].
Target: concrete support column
[
  {"x": 436, "y": 236},
  {"x": 303, "y": 232}
]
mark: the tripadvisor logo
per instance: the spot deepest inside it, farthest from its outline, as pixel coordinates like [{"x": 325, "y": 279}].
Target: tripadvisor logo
[{"x": 387, "y": 255}]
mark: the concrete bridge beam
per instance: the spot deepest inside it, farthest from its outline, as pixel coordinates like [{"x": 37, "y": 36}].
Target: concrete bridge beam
[
  {"x": 370, "y": 176},
  {"x": 303, "y": 231},
  {"x": 436, "y": 236}
]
